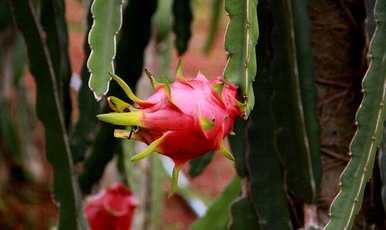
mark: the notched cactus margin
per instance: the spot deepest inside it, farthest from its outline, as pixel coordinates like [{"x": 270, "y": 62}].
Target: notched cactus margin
[
  {"x": 240, "y": 41},
  {"x": 107, "y": 22},
  {"x": 369, "y": 118}
]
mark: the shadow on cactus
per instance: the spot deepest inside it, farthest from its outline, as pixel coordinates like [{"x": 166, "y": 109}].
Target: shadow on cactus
[{"x": 182, "y": 120}]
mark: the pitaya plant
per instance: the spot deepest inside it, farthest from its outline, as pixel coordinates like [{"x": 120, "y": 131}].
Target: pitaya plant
[{"x": 183, "y": 120}]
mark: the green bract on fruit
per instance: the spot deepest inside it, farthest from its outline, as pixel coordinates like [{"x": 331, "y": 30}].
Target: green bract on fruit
[{"x": 182, "y": 120}]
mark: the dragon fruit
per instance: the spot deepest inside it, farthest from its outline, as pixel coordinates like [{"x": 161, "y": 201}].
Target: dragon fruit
[
  {"x": 112, "y": 208},
  {"x": 183, "y": 120}
]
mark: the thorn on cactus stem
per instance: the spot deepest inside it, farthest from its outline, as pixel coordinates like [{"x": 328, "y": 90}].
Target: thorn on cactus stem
[
  {"x": 180, "y": 72},
  {"x": 226, "y": 152},
  {"x": 127, "y": 119},
  {"x": 118, "y": 105},
  {"x": 149, "y": 149}
]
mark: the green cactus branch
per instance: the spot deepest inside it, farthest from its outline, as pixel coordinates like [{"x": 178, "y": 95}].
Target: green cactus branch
[
  {"x": 49, "y": 111},
  {"x": 307, "y": 110},
  {"x": 240, "y": 41},
  {"x": 182, "y": 22},
  {"x": 370, "y": 117},
  {"x": 296, "y": 125},
  {"x": 259, "y": 156},
  {"x": 107, "y": 17},
  {"x": 55, "y": 27},
  {"x": 243, "y": 215}
]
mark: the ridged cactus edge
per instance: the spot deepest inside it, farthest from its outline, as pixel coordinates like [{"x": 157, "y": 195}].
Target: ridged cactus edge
[
  {"x": 369, "y": 119},
  {"x": 240, "y": 41},
  {"x": 107, "y": 21}
]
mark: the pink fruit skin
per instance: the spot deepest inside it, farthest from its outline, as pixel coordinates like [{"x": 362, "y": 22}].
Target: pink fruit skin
[
  {"x": 177, "y": 117},
  {"x": 112, "y": 209}
]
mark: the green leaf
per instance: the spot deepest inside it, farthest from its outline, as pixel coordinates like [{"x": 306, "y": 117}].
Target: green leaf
[
  {"x": 370, "y": 118},
  {"x": 215, "y": 19},
  {"x": 240, "y": 41},
  {"x": 243, "y": 215},
  {"x": 49, "y": 111},
  {"x": 55, "y": 27},
  {"x": 182, "y": 22},
  {"x": 198, "y": 165},
  {"x": 296, "y": 125},
  {"x": 107, "y": 17},
  {"x": 216, "y": 218}
]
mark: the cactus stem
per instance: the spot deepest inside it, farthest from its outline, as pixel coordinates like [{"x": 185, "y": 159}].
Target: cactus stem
[{"x": 128, "y": 119}]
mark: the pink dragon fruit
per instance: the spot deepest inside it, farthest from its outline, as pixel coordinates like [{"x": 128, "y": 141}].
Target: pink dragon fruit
[
  {"x": 112, "y": 208},
  {"x": 183, "y": 120}
]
